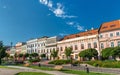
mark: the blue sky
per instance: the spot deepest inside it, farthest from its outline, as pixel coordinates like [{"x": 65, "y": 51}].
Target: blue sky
[{"x": 21, "y": 20}]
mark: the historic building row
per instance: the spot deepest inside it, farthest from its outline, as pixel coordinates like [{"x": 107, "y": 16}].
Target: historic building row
[{"x": 108, "y": 35}]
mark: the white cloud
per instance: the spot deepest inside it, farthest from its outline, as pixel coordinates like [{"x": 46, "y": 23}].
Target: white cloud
[
  {"x": 75, "y": 25},
  {"x": 45, "y": 2},
  {"x": 48, "y": 14},
  {"x": 70, "y": 23},
  {"x": 58, "y": 10},
  {"x": 50, "y": 4},
  {"x": 80, "y": 28},
  {"x": 63, "y": 34}
]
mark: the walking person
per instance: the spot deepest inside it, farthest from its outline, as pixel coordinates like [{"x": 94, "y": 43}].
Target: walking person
[{"x": 87, "y": 69}]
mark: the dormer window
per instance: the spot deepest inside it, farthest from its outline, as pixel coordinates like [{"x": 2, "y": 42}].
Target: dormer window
[
  {"x": 104, "y": 27},
  {"x": 113, "y": 25},
  {"x": 77, "y": 35},
  {"x": 67, "y": 37}
]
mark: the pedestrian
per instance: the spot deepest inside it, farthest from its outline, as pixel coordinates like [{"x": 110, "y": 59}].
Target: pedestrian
[
  {"x": 39, "y": 65},
  {"x": 87, "y": 69}
]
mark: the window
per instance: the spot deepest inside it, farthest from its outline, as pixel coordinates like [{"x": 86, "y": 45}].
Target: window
[
  {"x": 38, "y": 51},
  {"x": 71, "y": 47},
  {"x": 113, "y": 25},
  {"x": 102, "y": 45},
  {"x": 95, "y": 45},
  {"x": 89, "y": 45},
  {"x": 47, "y": 51},
  {"x": 101, "y": 36},
  {"x": 35, "y": 50},
  {"x": 61, "y": 48},
  {"x": 63, "y": 56},
  {"x": 76, "y": 56},
  {"x": 104, "y": 27},
  {"x": 111, "y": 34},
  {"x": 106, "y": 35},
  {"x": 119, "y": 43},
  {"x": 117, "y": 34},
  {"x": 57, "y": 48},
  {"x": 76, "y": 48},
  {"x": 82, "y": 46},
  {"x": 112, "y": 44}
]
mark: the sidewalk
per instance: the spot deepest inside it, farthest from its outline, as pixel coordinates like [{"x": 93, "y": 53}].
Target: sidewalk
[{"x": 25, "y": 69}]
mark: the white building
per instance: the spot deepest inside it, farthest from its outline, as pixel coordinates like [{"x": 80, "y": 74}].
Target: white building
[
  {"x": 41, "y": 45},
  {"x": 51, "y": 44},
  {"x": 32, "y": 46}
]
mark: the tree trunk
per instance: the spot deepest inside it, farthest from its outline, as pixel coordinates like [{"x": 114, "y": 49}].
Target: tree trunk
[{"x": 0, "y": 61}]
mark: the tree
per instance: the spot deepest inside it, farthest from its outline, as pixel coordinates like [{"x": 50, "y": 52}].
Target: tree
[
  {"x": 54, "y": 54},
  {"x": 42, "y": 55},
  {"x": 26, "y": 55},
  {"x": 20, "y": 55},
  {"x": 34, "y": 55},
  {"x": 115, "y": 52},
  {"x": 2, "y": 51},
  {"x": 7, "y": 56},
  {"x": 106, "y": 53},
  {"x": 93, "y": 53},
  {"x": 89, "y": 53},
  {"x": 68, "y": 52},
  {"x": 83, "y": 53}
]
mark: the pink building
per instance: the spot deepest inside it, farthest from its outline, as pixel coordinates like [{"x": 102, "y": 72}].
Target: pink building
[
  {"x": 78, "y": 42},
  {"x": 109, "y": 34}
]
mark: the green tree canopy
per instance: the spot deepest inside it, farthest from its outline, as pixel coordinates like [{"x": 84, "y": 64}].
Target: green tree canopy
[
  {"x": 54, "y": 53},
  {"x": 34, "y": 55},
  {"x": 20, "y": 55},
  {"x": 43, "y": 55},
  {"x": 89, "y": 53},
  {"x": 115, "y": 52},
  {"x": 26, "y": 55},
  {"x": 2, "y": 51},
  {"x": 107, "y": 52},
  {"x": 68, "y": 52}
]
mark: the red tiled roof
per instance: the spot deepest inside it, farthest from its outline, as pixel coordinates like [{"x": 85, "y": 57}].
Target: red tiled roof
[
  {"x": 90, "y": 32},
  {"x": 108, "y": 26}
]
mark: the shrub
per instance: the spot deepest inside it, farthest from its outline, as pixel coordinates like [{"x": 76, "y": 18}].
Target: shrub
[
  {"x": 107, "y": 64},
  {"x": 59, "y": 62},
  {"x": 76, "y": 62},
  {"x": 34, "y": 60}
]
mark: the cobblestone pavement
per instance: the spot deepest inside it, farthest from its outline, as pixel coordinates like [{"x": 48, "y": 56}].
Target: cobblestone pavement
[{"x": 5, "y": 71}]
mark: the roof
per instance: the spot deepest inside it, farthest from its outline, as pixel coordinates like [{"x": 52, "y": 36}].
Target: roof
[
  {"x": 108, "y": 26},
  {"x": 86, "y": 33}
]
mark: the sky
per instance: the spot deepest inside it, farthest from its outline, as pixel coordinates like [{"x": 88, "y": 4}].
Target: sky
[{"x": 21, "y": 20}]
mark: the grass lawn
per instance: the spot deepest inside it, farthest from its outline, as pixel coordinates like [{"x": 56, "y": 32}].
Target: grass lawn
[
  {"x": 32, "y": 73},
  {"x": 7, "y": 67},
  {"x": 69, "y": 71},
  {"x": 3, "y": 67},
  {"x": 82, "y": 72}
]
